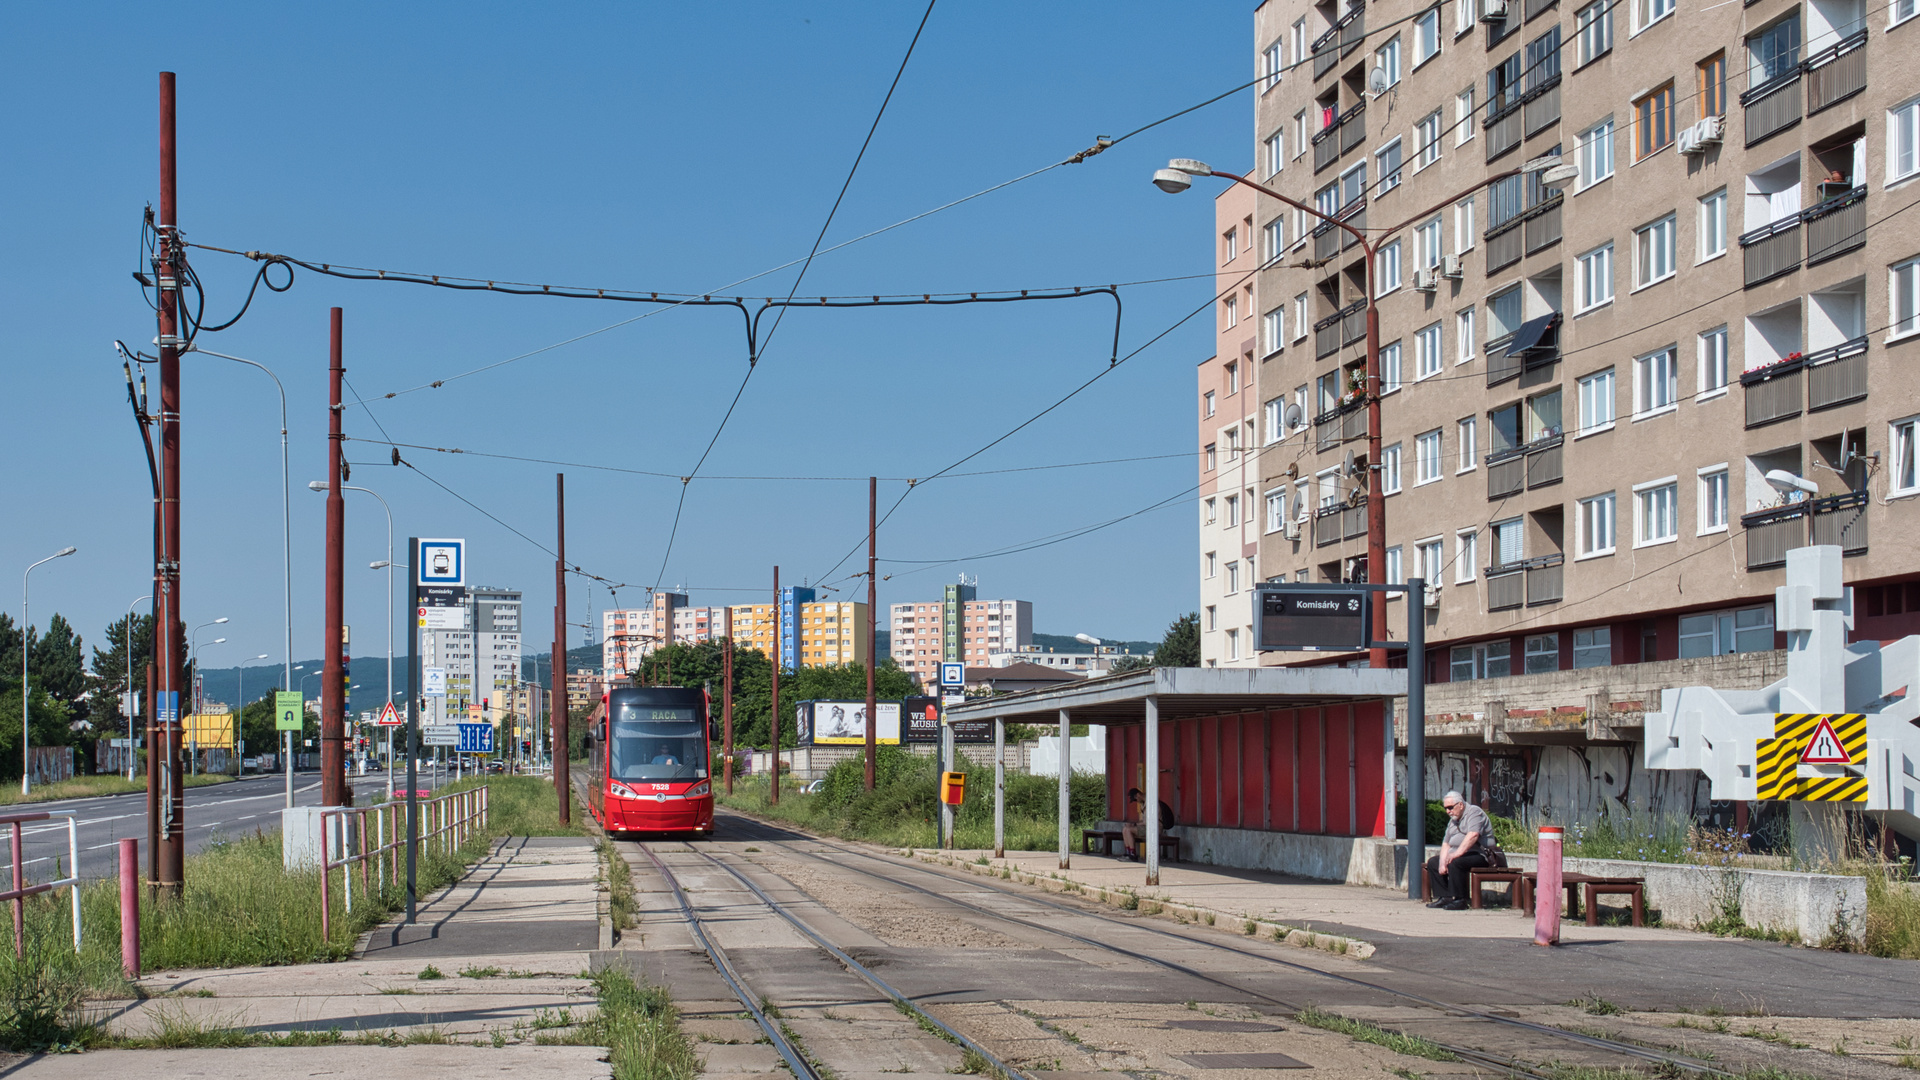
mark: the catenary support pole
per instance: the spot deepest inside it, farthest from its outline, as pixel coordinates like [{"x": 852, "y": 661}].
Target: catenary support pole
[
  {"x": 1066, "y": 778},
  {"x": 779, "y": 618},
  {"x": 873, "y": 494},
  {"x": 155, "y": 763},
  {"x": 170, "y": 631},
  {"x": 726, "y": 698},
  {"x": 1150, "y": 798},
  {"x": 333, "y": 757},
  {"x": 999, "y": 787},
  {"x": 557, "y": 706},
  {"x": 415, "y": 704},
  {"x": 1416, "y": 733}
]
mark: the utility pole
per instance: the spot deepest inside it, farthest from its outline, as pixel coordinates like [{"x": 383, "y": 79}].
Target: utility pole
[
  {"x": 773, "y": 717},
  {"x": 726, "y": 698},
  {"x": 333, "y": 760},
  {"x": 557, "y": 708},
  {"x": 873, "y": 491},
  {"x": 166, "y": 837}
]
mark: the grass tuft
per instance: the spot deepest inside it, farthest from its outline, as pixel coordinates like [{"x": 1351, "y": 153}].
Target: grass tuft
[{"x": 1362, "y": 1031}]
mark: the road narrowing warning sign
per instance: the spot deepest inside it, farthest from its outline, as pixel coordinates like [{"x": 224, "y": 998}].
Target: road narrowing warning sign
[{"x": 1811, "y": 739}]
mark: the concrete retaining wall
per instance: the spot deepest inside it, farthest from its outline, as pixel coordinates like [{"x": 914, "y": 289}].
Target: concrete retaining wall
[{"x": 1815, "y": 907}]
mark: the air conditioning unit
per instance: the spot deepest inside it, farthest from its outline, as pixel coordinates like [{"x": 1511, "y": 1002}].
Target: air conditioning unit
[
  {"x": 1450, "y": 267},
  {"x": 1432, "y": 595},
  {"x": 1425, "y": 280},
  {"x": 1695, "y": 138},
  {"x": 1493, "y": 11},
  {"x": 1292, "y": 530}
]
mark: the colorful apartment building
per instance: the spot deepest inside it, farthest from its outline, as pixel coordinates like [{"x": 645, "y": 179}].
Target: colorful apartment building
[{"x": 957, "y": 628}]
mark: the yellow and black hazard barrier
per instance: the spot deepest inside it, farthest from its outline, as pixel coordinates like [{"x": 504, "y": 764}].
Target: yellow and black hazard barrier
[{"x": 1777, "y": 760}]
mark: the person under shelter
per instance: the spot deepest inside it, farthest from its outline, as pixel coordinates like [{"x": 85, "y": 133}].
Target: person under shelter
[{"x": 1135, "y": 824}]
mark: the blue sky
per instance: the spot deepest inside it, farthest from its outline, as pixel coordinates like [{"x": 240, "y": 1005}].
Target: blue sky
[{"x": 676, "y": 148}]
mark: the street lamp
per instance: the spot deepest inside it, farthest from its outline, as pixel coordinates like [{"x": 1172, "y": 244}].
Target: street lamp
[
  {"x": 1178, "y": 177},
  {"x": 26, "y": 627},
  {"x": 386, "y": 564},
  {"x": 240, "y": 716},
  {"x": 193, "y": 735},
  {"x": 131, "y": 709}
]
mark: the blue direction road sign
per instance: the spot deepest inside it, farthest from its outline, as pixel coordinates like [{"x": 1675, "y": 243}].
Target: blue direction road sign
[
  {"x": 166, "y": 707},
  {"x": 476, "y": 738}
]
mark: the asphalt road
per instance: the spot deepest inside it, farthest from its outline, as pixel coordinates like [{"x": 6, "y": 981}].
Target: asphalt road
[{"x": 219, "y": 809}]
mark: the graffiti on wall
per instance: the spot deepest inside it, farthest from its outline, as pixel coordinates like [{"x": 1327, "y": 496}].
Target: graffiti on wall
[{"x": 1564, "y": 784}]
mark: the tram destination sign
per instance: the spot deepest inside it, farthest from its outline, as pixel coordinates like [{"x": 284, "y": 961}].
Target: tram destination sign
[{"x": 1321, "y": 619}]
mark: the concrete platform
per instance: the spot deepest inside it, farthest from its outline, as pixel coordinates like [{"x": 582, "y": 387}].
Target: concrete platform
[
  {"x": 529, "y": 895},
  {"x": 334, "y": 1062}
]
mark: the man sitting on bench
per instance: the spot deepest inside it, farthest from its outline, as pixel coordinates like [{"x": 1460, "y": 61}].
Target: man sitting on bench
[
  {"x": 1135, "y": 824},
  {"x": 1467, "y": 844}
]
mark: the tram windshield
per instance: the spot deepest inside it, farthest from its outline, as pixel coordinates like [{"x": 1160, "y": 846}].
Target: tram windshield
[{"x": 653, "y": 742}]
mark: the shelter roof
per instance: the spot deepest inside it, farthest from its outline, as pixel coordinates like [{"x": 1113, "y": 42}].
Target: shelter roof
[{"x": 1185, "y": 692}]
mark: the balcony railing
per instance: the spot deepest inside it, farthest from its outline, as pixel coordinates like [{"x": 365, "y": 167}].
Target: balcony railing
[
  {"x": 1504, "y": 248},
  {"x": 1529, "y": 582},
  {"x": 1773, "y": 392},
  {"x": 1771, "y": 250},
  {"x": 1537, "y": 464},
  {"x": 1771, "y": 533},
  {"x": 1542, "y": 109},
  {"x": 1339, "y": 137},
  {"x": 1506, "y": 588},
  {"x": 1344, "y": 521},
  {"x": 1836, "y": 226},
  {"x": 1838, "y": 375},
  {"x": 1546, "y": 581},
  {"x": 1339, "y": 40},
  {"x": 1836, "y": 73},
  {"x": 1338, "y": 425},
  {"x": 1535, "y": 7},
  {"x": 1506, "y": 473},
  {"x": 1343, "y": 327},
  {"x": 1841, "y": 520},
  {"x": 1500, "y": 366},
  {"x": 1544, "y": 464},
  {"x": 1330, "y": 239},
  {"x": 1543, "y": 225},
  {"x": 1504, "y": 130},
  {"x": 1773, "y": 106}
]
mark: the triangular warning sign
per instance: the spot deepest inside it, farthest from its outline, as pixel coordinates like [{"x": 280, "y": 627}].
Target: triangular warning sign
[
  {"x": 1825, "y": 747},
  {"x": 389, "y": 717}
]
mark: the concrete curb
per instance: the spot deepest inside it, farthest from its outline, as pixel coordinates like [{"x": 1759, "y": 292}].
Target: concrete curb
[
  {"x": 1131, "y": 900},
  {"x": 398, "y": 918},
  {"x": 603, "y": 891}
]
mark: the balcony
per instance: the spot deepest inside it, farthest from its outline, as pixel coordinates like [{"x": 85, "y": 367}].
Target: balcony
[
  {"x": 1339, "y": 137},
  {"x": 1544, "y": 464},
  {"x": 1771, "y": 533},
  {"x": 1500, "y": 366},
  {"x": 1340, "y": 40},
  {"x": 1506, "y": 473},
  {"x": 1841, "y": 520},
  {"x": 1528, "y": 583},
  {"x": 1543, "y": 225},
  {"x": 1538, "y": 464},
  {"x": 1332, "y": 524},
  {"x": 1771, "y": 251},
  {"x": 1330, "y": 240},
  {"x": 1341, "y": 424},
  {"x": 1773, "y": 392},
  {"x": 1546, "y": 580},
  {"x": 1536, "y": 7},
  {"x": 1505, "y": 246},
  {"x": 1503, "y": 130},
  {"x": 1836, "y": 73},
  {"x": 1773, "y": 106},
  {"x": 1343, "y": 327},
  {"x": 1542, "y": 106},
  {"x": 1506, "y": 589},
  {"x": 1838, "y": 375},
  {"x": 1836, "y": 226}
]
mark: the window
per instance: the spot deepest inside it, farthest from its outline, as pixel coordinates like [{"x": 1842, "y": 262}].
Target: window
[
  {"x": 1274, "y": 412},
  {"x": 1506, "y": 200},
  {"x": 1543, "y": 653},
  {"x": 1463, "y": 225},
  {"x": 1300, "y": 403},
  {"x": 1426, "y": 352},
  {"x": 1213, "y": 564},
  {"x": 1208, "y": 398},
  {"x": 1596, "y": 525},
  {"x": 1653, "y": 122},
  {"x": 1656, "y": 383},
  {"x": 1648, "y": 12},
  {"x": 1593, "y": 647},
  {"x": 1213, "y": 618},
  {"x": 1543, "y": 58},
  {"x": 1426, "y": 141},
  {"x": 1903, "y": 300},
  {"x": 1503, "y": 314},
  {"x": 1273, "y": 239},
  {"x": 1426, "y": 244},
  {"x": 1465, "y": 14},
  {"x": 1387, "y": 59},
  {"x": 1594, "y": 154},
  {"x": 1594, "y": 286},
  {"x": 1900, "y": 11},
  {"x": 1300, "y": 317},
  {"x": 1273, "y": 330},
  {"x": 1466, "y": 555},
  {"x": 1271, "y": 65},
  {"x": 1509, "y": 541},
  {"x": 1210, "y": 457},
  {"x": 1233, "y": 515},
  {"x": 1298, "y": 34},
  {"x": 1463, "y": 339},
  {"x": 1233, "y": 379},
  {"x": 1713, "y": 84},
  {"x": 1657, "y": 508},
  {"x": 1713, "y": 360},
  {"x": 1233, "y": 577},
  {"x": 1718, "y": 633},
  {"x": 1389, "y": 156},
  {"x": 1390, "y": 469},
  {"x": 1230, "y": 311},
  {"x": 1492, "y": 660},
  {"x": 1212, "y": 511},
  {"x": 1774, "y": 53},
  {"x": 1229, "y": 245},
  {"x": 1713, "y": 225},
  {"x": 1904, "y": 479},
  {"x": 1653, "y": 252},
  {"x": 1389, "y": 368},
  {"x": 1463, "y": 124},
  {"x": 1593, "y": 31},
  {"x": 1596, "y": 401},
  {"x": 1426, "y": 456},
  {"x": 1387, "y": 273},
  {"x": 1426, "y": 36},
  {"x": 1469, "y": 429},
  {"x": 1276, "y": 509},
  {"x": 1302, "y": 138},
  {"x": 1233, "y": 644},
  {"x": 1713, "y": 499},
  {"x": 1276, "y": 152}
]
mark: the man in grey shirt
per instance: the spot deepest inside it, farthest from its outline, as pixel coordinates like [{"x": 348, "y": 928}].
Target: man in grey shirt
[{"x": 1467, "y": 844}]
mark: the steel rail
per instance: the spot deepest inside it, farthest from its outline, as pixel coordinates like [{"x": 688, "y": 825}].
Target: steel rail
[
  {"x": 899, "y": 999},
  {"x": 1590, "y": 1041},
  {"x": 796, "y": 1060}
]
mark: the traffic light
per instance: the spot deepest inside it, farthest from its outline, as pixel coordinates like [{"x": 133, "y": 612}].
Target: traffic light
[{"x": 526, "y": 747}]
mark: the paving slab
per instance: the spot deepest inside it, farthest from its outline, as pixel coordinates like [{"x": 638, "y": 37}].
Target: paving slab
[
  {"x": 528, "y": 895},
  {"x": 333, "y": 1062}
]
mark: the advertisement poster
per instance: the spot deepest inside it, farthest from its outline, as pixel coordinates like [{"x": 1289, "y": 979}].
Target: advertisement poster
[{"x": 844, "y": 723}]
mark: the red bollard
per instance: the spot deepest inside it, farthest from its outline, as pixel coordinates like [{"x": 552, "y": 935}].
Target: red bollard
[
  {"x": 130, "y": 907},
  {"x": 1546, "y": 898}
]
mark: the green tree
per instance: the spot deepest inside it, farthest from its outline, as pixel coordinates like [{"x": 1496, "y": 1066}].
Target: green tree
[
  {"x": 1181, "y": 646},
  {"x": 110, "y": 664},
  {"x": 257, "y": 723},
  {"x": 59, "y": 666},
  {"x": 702, "y": 663}
]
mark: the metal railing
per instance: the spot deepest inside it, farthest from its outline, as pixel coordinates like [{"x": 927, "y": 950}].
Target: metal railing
[
  {"x": 1506, "y": 588},
  {"x": 1330, "y": 239},
  {"x": 447, "y": 822},
  {"x": 1527, "y": 583},
  {"x": 1504, "y": 130},
  {"x": 1506, "y": 473},
  {"x": 1500, "y": 366},
  {"x": 1836, "y": 226},
  {"x": 1542, "y": 106},
  {"x": 1771, "y": 107},
  {"x": 1343, "y": 327},
  {"x": 1340, "y": 424},
  {"x": 1841, "y": 520},
  {"x": 1347, "y": 33},
  {"x": 1505, "y": 247},
  {"x": 1546, "y": 581},
  {"x": 1773, "y": 392},
  {"x": 1838, "y": 375},
  {"x": 1544, "y": 465},
  {"x": 1771, "y": 250},
  {"x": 1535, "y": 465},
  {"x": 1772, "y": 533},
  {"x": 1543, "y": 225},
  {"x": 21, "y": 890},
  {"x": 1836, "y": 73}
]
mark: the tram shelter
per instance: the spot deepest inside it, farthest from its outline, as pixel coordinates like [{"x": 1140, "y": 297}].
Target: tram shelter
[{"x": 1283, "y": 749}]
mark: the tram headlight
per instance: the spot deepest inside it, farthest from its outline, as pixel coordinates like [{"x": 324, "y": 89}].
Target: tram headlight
[
  {"x": 699, "y": 789},
  {"x": 621, "y": 790}
]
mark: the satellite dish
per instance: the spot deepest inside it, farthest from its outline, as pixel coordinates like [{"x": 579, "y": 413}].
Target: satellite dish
[
  {"x": 1294, "y": 417},
  {"x": 1293, "y": 470},
  {"x": 1377, "y": 81},
  {"x": 1347, "y": 465}
]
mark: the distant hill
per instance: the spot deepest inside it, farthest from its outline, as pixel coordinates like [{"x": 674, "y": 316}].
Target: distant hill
[{"x": 1068, "y": 643}]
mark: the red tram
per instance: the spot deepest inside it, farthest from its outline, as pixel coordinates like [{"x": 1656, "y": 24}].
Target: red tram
[{"x": 647, "y": 761}]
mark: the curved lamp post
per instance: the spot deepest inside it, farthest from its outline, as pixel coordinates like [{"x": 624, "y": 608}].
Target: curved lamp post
[{"x": 26, "y": 625}]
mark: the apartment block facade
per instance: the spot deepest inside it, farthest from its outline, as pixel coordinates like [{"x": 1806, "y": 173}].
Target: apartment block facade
[
  {"x": 482, "y": 660},
  {"x": 818, "y": 634},
  {"x": 1585, "y": 388},
  {"x": 1230, "y": 506},
  {"x": 957, "y": 628},
  {"x": 629, "y": 635}
]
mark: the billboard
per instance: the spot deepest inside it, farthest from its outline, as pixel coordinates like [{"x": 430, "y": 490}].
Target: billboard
[
  {"x": 844, "y": 723},
  {"x": 922, "y": 719},
  {"x": 1329, "y": 618}
]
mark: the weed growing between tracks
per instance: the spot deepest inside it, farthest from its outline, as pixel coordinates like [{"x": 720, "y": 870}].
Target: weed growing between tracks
[
  {"x": 1361, "y": 1031},
  {"x": 622, "y": 905},
  {"x": 639, "y": 1026}
]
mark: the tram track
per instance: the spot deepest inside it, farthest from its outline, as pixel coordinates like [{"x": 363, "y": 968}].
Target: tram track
[{"x": 1501, "y": 1063}]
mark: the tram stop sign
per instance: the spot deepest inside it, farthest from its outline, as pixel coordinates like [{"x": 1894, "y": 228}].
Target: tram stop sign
[{"x": 1327, "y": 619}]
